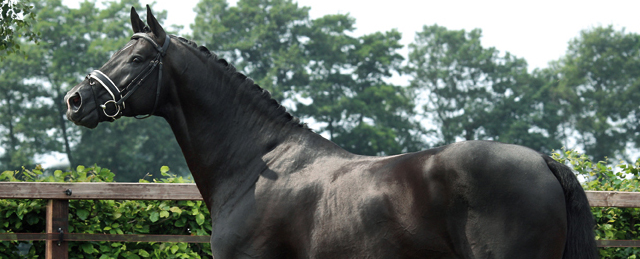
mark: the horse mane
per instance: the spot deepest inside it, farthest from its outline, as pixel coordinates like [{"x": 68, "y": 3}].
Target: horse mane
[{"x": 246, "y": 82}]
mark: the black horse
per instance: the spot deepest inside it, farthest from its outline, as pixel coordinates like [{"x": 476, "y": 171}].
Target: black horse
[{"x": 277, "y": 190}]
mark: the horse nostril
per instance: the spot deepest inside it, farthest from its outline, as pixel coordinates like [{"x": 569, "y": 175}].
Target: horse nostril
[{"x": 75, "y": 101}]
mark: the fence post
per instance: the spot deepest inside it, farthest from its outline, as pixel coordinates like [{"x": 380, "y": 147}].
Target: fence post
[{"x": 58, "y": 224}]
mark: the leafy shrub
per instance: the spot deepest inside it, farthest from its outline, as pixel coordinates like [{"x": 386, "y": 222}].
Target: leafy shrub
[
  {"x": 611, "y": 223},
  {"x": 105, "y": 216}
]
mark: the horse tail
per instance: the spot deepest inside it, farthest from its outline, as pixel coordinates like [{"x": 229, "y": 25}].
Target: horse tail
[{"x": 581, "y": 241}]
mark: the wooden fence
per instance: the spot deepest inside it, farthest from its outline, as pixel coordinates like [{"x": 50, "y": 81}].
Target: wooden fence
[{"x": 59, "y": 194}]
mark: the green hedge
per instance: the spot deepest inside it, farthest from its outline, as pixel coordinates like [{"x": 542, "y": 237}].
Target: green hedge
[
  {"x": 180, "y": 217},
  {"x": 106, "y": 216},
  {"x": 611, "y": 223}
]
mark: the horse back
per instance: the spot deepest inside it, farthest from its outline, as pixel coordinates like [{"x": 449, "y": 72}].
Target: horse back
[{"x": 472, "y": 199}]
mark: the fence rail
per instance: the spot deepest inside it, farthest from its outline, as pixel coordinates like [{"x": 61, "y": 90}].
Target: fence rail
[
  {"x": 56, "y": 233},
  {"x": 99, "y": 191}
]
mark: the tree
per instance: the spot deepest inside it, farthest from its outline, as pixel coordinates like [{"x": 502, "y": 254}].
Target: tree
[
  {"x": 474, "y": 92},
  {"x": 329, "y": 71},
  {"x": 274, "y": 42},
  {"x": 597, "y": 84},
  {"x": 16, "y": 19},
  {"x": 389, "y": 107},
  {"x": 522, "y": 113},
  {"x": 349, "y": 96},
  {"x": 21, "y": 118},
  {"x": 450, "y": 66},
  {"x": 74, "y": 42},
  {"x": 261, "y": 37},
  {"x": 131, "y": 148}
]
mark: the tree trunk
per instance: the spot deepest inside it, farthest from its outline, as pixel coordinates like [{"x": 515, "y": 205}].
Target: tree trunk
[
  {"x": 13, "y": 143},
  {"x": 58, "y": 98}
]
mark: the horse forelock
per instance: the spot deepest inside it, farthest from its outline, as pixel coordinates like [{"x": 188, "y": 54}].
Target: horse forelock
[{"x": 241, "y": 80}]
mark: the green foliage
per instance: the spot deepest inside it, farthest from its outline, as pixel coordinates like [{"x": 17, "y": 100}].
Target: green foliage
[
  {"x": 22, "y": 119},
  {"x": 131, "y": 148},
  {"x": 348, "y": 77},
  {"x": 16, "y": 19},
  {"x": 74, "y": 41},
  {"x": 340, "y": 81},
  {"x": 107, "y": 216},
  {"x": 597, "y": 83},
  {"x": 261, "y": 37},
  {"x": 277, "y": 44},
  {"x": 611, "y": 223},
  {"x": 474, "y": 92}
]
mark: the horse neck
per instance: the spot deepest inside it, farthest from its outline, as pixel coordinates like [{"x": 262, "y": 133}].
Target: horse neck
[{"x": 230, "y": 132}]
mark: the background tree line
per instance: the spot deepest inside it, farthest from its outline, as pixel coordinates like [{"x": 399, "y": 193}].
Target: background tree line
[{"x": 338, "y": 83}]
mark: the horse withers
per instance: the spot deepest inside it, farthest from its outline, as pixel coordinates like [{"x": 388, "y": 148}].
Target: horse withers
[{"x": 275, "y": 189}]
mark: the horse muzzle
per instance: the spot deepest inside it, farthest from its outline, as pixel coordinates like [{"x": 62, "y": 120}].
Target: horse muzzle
[{"x": 81, "y": 107}]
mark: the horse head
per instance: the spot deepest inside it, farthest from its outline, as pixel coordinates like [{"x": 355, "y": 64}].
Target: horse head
[{"x": 129, "y": 84}]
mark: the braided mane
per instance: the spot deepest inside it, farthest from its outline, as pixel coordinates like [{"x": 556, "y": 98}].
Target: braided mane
[{"x": 244, "y": 81}]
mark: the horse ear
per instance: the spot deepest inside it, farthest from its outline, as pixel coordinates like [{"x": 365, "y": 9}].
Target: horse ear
[
  {"x": 136, "y": 23},
  {"x": 155, "y": 27}
]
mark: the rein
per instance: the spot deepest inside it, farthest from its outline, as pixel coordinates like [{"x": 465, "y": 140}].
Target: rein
[{"x": 120, "y": 96}]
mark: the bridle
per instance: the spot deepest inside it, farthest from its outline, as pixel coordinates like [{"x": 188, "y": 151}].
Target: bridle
[{"x": 118, "y": 97}]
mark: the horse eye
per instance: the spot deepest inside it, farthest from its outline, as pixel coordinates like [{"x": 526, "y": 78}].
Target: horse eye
[{"x": 137, "y": 59}]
